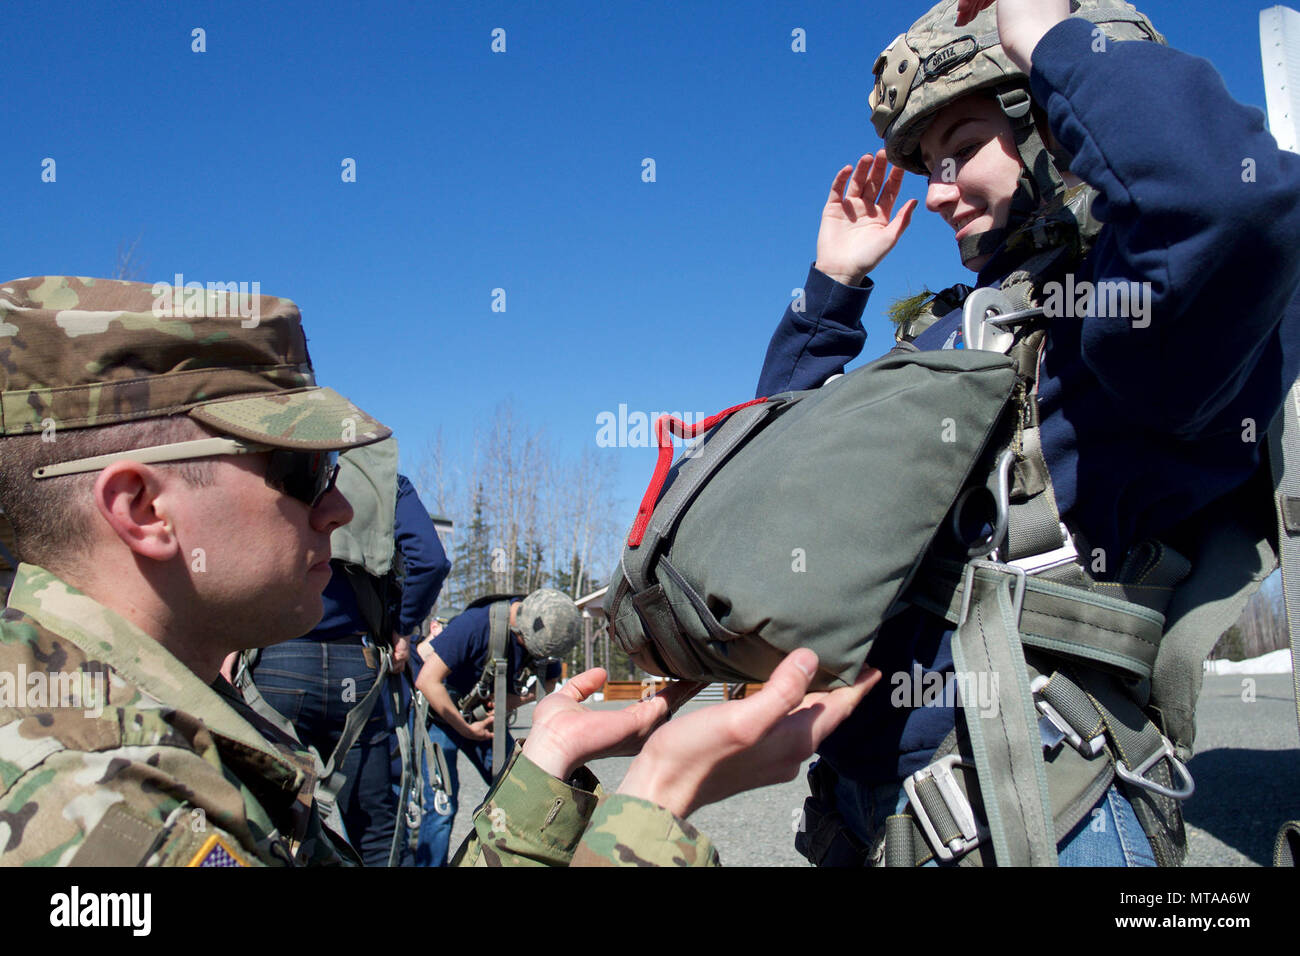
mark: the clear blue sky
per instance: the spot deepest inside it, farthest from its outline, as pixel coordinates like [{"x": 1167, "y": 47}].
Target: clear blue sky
[{"x": 478, "y": 170}]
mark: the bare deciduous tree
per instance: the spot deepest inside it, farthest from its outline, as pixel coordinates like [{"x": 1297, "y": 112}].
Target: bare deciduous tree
[
  {"x": 526, "y": 516},
  {"x": 128, "y": 264}
]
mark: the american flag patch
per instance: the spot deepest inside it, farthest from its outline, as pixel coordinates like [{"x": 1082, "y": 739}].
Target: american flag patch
[{"x": 216, "y": 852}]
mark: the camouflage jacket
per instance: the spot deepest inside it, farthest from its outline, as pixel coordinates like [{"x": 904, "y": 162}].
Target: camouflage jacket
[
  {"x": 530, "y": 818},
  {"x": 112, "y": 752}
]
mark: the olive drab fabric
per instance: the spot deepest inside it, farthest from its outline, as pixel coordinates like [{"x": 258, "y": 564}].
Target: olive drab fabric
[
  {"x": 368, "y": 479},
  {"x": 78, "y": 352},
  {"x": 748, "y": 552}
]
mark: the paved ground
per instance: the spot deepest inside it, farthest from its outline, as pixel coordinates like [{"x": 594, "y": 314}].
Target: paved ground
[{"x": 1247, "y": 772}]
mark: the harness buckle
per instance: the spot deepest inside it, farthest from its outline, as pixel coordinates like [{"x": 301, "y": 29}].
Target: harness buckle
[
  {"x": 1067, "y": 553},
  {"x": 939, "y": 774},
  {"x": 1138, "y": 777},
  {"x": 1088, "y": 748}
]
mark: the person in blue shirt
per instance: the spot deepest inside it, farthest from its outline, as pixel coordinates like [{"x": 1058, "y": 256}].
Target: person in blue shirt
[
  {"x": 1142, "y": 416},
  {"x": 304, "y": 679},
  {"x": 542, "y": 627}
]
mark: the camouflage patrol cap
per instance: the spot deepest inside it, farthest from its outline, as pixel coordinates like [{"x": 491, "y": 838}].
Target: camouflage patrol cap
[
  {"x": 549, "y": 621},
  {"x": 936, "y": 62},
  {"x": 82, "y": 352}
]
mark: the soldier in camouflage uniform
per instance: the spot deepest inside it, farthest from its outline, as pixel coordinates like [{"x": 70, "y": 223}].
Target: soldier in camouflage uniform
[
  {"x": 170, "y": 479},
  {"x": 146, "y": 566}
]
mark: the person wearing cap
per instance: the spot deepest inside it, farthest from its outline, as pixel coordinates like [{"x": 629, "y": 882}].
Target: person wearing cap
[
  {"x": 170, "y": 481},
  {"x": 543, "y": 627},
  {"x": 1063, "y": 142}
]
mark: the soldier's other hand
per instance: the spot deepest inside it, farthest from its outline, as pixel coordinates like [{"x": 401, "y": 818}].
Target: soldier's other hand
[
  {"x": 515, "y": 701},
  {"x": 566, "y": 735},
  {"x": 728, "y": 748},
  {"x": 858, "y": 226},
  {"x": 481, "y": 729},
  {"x": 1021, "y": 23},
  {"x": 401, "y": 652}
]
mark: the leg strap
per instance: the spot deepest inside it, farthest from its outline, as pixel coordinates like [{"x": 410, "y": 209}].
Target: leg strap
[{"x": 1004, "y": 734}]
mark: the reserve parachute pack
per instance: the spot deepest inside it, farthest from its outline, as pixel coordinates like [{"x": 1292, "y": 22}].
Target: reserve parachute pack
[{"x": 810, "y": 518}]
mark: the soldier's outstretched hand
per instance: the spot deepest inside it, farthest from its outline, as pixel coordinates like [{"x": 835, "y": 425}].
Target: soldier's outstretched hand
[
  {"x": 1021, "y": 23},
  {"x": 859, "y": 227},
  {"x": 723, "y": 750},
  {"x": 566, "y": 735}
]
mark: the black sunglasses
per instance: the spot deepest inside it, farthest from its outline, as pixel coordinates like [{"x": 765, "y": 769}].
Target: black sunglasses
[{"x": 305, "y": 475}]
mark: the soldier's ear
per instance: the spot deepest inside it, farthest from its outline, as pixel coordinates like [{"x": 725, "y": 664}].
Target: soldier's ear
[{"x": 130, "y": 498}]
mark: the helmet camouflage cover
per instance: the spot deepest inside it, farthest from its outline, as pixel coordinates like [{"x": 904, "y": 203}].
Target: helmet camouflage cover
[
  {"x": 936, "y": 62},
  {"x": 549, "y": 621}
]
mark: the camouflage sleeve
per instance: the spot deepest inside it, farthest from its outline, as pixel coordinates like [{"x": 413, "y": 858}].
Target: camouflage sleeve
[
  {"x": 99, "y": 809},
  {"x": 628, "y": 831},
  {"x": 530, "y": 818}
]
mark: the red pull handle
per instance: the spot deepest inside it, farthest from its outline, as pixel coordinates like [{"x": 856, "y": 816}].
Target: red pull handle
[{"x": 665, "y": 425}]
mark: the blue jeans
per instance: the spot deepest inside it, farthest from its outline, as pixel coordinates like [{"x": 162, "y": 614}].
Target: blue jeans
[
  {"x": 1108, "y": 835},
  {"x": 435, "y": 828},
  {"x": 314, "y": 684}
]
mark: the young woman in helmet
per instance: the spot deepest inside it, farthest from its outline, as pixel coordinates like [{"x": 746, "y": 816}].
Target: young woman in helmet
[{"x": 1054, "y": 141}]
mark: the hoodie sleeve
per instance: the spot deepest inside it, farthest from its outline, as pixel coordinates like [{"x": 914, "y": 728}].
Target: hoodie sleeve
[
  {"x": 1203, "y": 215},
  {"x": 816, "y": 341},
  {"x": 426, "y": 562}
]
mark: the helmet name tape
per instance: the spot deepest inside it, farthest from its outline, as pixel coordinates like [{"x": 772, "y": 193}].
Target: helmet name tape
[{"x": 951, "y": 56}]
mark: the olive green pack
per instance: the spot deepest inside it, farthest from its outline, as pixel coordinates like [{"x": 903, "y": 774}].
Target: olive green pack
[{"x": 805, "y": 514}]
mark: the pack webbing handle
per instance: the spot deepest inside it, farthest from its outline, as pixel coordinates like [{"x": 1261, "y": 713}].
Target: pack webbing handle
[{"x": 665, "y": 427}]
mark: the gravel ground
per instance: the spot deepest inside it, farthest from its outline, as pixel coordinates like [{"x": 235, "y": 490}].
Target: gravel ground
[{"x": 1247, "y": 771}]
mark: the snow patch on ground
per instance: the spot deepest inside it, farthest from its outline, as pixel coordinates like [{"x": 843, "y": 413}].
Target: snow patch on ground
[{"x": 1274, "y": 662}]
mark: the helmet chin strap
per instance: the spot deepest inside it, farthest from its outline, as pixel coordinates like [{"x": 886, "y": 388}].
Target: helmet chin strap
[
  {"x": 1040, "y": 180},
  {"x": 1024, "y": 203}
]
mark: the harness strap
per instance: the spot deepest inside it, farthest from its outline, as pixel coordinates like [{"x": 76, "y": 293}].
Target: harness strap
[
  {"x": 1093, "y": 706},
  {"x": 402, "y": 731},
  {"x": 352, "y": 725},
  {"x": 1006, "y": 745},
  {"x": 330, "y": 814},
  {"x": 497, "y": 665},
  {"x": 1057, "y": 618},
  {"x": 243, "y": 681}
]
